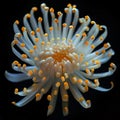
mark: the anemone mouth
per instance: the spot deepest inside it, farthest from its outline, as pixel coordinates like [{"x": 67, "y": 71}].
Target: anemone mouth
[
  {"x": 60, "y": 56},
  {"x": 58, "y": 51},
  {"x": 62, "y": 52}
]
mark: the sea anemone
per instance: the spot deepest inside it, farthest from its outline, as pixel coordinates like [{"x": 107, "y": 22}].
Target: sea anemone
[{"x": 59, "y": 55}]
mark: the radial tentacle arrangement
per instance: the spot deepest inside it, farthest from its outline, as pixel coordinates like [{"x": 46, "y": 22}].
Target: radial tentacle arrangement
[{"x": 59, "y": 55}]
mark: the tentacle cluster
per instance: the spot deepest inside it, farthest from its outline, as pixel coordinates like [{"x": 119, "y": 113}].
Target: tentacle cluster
[{"x": 59, "y": 55}]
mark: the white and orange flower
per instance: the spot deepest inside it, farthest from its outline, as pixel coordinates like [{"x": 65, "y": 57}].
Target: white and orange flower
[{"x": 60, "y": 55}]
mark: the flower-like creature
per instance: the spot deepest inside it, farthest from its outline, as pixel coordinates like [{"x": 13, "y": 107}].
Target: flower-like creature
[{"x": 59, "y": 56}]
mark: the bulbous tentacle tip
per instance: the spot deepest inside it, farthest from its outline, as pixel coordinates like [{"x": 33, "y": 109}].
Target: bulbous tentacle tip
[{"x": 50, "y": 110}]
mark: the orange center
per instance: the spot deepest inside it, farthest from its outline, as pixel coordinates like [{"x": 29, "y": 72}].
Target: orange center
[{"x": 60, "y": 55}]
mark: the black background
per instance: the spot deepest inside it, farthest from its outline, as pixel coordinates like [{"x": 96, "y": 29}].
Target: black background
[{"x": 104, "y": 105}]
